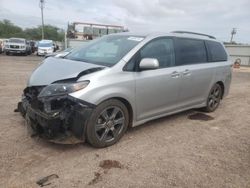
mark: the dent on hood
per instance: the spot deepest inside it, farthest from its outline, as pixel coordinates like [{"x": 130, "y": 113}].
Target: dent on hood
[{"x": 57, "y": 70}]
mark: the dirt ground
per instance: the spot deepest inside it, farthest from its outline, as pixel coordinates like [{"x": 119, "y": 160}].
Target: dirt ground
[{"x": 174, "y": 151}]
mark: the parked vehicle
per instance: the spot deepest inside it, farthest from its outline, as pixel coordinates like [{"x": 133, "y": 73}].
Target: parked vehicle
[
  {"x": 4, "y": 42},
  {"x": 29, "y": 50},
  {"x": 45, "y": 47},
  {"x": 60, "y": 54},
  {"x": 32, "y": 46},
  {"x": 96, "y": 92},
  {"x": 17, "y": 46},
  {"x": 1, "y": 46}
]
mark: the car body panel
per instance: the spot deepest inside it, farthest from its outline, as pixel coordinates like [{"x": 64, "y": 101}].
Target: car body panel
[{"x": 162, "y": 86}]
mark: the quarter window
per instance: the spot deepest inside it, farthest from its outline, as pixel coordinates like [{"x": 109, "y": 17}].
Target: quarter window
[
  {"x": 217, "y": 52},
  {"x": 190, "y": 51}
]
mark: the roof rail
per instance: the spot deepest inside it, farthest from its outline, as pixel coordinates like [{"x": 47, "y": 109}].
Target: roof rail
[{"x": 188, "y": 32}]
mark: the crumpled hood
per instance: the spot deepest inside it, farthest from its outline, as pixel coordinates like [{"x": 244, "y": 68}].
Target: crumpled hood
[{"x": 55, "y": 69}]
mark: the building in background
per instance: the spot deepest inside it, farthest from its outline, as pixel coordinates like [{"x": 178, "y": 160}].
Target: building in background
[
  {"x": 239, "y": 51},
  {"x": 79, "y": 32}
]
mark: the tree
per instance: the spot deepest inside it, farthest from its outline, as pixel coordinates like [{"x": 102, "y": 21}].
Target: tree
[
  {"x": 8, "y": 29},
  {"x": 52, "y": 32}
]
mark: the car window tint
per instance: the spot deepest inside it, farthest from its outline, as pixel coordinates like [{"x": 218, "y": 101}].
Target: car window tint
[
  {"x": 190, "y": 51},
  {"x": 217, "y": 52},
  {"x": 161, "y": 49}
]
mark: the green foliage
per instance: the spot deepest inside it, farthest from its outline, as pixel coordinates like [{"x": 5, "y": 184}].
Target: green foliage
[{"x": 8, "y": 29}]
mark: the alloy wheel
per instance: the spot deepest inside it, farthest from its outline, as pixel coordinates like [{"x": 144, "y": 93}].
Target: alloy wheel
[
  {"x": 109, "y": 124},
  {"x": 214, "y": 97}
]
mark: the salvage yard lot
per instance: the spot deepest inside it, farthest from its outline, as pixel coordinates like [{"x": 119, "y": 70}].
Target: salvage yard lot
[{"x": 174, "y": 151}]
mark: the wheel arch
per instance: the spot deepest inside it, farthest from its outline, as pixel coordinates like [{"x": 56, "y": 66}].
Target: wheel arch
[{"x": 222, "y": 87}]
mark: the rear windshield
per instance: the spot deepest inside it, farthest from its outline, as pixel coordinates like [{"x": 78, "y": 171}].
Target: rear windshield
[{"x": 106, "y": 51}]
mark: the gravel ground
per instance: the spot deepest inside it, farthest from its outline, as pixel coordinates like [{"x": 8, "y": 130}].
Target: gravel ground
[{"x": 174, "y": 151}]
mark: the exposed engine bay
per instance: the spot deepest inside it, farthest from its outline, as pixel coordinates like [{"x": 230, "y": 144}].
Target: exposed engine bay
[{"x": 59, "y": 119}]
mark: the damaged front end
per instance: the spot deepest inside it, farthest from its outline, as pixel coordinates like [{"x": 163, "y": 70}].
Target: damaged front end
[{"x": 59, "y": 118}]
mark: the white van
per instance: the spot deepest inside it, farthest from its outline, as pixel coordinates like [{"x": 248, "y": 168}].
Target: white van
[{"x": 45, "y": 47}]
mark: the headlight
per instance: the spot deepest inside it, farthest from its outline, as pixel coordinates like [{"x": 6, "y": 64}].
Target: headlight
[{"x": 62, "y": 88}]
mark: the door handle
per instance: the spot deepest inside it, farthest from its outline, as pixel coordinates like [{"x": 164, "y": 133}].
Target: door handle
[
  {"x": 186, "y": 72},
  {"x": 175, "y": 74}
]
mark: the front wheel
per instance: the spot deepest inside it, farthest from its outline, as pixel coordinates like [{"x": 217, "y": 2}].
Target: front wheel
[
  {"x": 107, "y": 124},
  {"x": 214, "y": 98}
]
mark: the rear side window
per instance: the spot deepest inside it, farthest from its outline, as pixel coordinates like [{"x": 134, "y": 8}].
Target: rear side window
[
  {"x": 217, "y": 52},
  {"x": 190, "y": 51}
]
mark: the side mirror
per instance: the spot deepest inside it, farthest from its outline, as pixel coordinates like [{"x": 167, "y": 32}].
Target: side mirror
[{"x": 149, "y": 64}]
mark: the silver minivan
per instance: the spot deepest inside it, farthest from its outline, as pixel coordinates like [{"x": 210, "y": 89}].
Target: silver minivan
[{"x": 123, "y": 80}]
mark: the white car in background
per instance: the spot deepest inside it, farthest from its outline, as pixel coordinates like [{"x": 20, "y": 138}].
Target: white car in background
[
  {"x": 45, "y": 47},
  {"x": 17, "y": 46}
]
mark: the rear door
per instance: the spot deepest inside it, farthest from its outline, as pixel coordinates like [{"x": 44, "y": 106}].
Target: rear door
[
  {"x": 197, "y": 73},
  {"x": 157, "y": 90}
]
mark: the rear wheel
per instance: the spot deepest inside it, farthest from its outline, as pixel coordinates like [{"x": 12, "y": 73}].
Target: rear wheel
[
  {"x": 214, "y": 98},
  {"x": 107, "y": 124},
  {"x": 7, "y": 53}
]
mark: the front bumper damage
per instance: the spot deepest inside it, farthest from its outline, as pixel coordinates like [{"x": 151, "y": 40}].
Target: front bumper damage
[{"x": 59, "y": 119}]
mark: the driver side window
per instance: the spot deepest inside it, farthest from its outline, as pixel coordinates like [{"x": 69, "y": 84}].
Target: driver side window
[{"x": 161, "y": 49}]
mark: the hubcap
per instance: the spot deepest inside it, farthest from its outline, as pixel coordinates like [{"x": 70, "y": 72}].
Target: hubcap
[
  {"x": 214, "y": 97},
  {"x": 109, "y": 124}
]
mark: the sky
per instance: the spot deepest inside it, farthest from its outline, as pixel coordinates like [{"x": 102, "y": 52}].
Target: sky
[{"x": 214, "y": 17}]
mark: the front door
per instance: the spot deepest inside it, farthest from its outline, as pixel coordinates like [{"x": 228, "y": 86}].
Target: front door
[{"x": 157, "y": 91}]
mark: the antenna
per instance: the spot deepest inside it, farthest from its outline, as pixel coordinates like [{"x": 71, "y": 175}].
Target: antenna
[{"x": 41, "y": 5}]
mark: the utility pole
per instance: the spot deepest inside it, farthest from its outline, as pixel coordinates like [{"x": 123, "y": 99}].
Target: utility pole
[
  {"x": 41, "y": 5},
  {"x": 233, "y": 32}
]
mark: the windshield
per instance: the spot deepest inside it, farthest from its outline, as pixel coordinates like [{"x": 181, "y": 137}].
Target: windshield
[
  {"x": 16, "y": 41},
  {"x": 106, "y": 51},
  {"x": 47, "y": 44}
]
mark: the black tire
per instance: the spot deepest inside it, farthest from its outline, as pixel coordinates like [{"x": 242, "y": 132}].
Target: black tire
[
  {"x": 7, "y": 53},
  {"x": 103, "y": 129},
  {"x": 214, "y": 98},
  {"x": 25, "y": 53}
]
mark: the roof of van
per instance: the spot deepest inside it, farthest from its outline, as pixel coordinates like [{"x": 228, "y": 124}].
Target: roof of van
[{"x": 178, "y": 34}]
